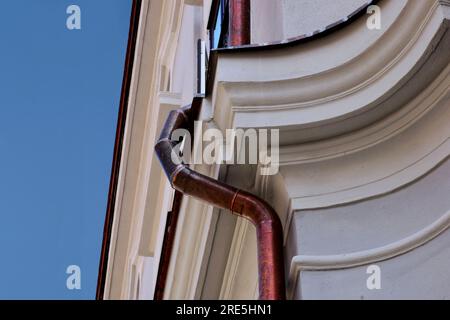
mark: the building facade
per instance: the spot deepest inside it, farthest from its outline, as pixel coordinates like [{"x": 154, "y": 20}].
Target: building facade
[{"x": 359, "y": 91}]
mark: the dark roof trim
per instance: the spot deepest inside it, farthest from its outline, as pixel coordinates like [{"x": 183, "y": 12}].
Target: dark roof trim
[{"x": 121, "y": 120}]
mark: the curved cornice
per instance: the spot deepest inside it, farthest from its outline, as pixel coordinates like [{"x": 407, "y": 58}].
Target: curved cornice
[
  {"x": 397, "y": 151},
  {"x": 338, "y": 83},
  {"x": 372, "y": 135}
]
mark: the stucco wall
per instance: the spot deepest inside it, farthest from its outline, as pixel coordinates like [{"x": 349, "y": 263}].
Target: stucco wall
[
  {"x": 279, "y": 20},
  {"x": 266, "y": 28},
  {"x": 184, "y": 69},
  {"x": 305, "y": 16}
]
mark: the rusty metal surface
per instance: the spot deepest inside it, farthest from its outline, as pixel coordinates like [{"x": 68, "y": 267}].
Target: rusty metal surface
[
  {"x": 269, "y": 233},
  {"x": 239, "y": 28}
]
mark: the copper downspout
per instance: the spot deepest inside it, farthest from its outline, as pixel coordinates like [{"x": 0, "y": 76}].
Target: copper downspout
[
  {"x": 239, "y": 27},
  {"x": 268, "y": 226}
]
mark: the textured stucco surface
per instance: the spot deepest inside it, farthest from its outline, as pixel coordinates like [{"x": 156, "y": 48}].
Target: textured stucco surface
[
  {"x": 264, "y": 27},
  {"x": 305, "y": 16}
]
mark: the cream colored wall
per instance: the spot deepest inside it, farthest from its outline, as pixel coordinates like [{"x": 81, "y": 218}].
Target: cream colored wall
[
  {"x": 266, "y": 21},
  {"x": 184, "y": 67},
  {"x": 306, "y": 16},
  {"x": 274, "y": 21}
]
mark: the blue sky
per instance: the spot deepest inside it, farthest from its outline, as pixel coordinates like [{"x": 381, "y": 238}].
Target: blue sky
[{"x": 59, "y": 96}]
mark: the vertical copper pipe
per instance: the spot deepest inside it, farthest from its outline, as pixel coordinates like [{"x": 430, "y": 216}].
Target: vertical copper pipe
[
  {"x": 239, "y": 25},
  {"x": 267, "y": 223}
]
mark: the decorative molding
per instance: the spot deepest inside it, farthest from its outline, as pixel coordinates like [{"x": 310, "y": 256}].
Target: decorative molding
[
  {"x": 420, "y": 124},
  {"x": 359, "y": 80},
  {"x": 354, "y": 259},
  {"x": 424, "y": 130},
  {"x": 373, "y": 73},
  {"x": 374, "y": 134}
]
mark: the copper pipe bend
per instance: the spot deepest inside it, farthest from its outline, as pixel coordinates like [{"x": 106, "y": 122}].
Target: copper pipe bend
[{"x": 260, "y": 213}]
